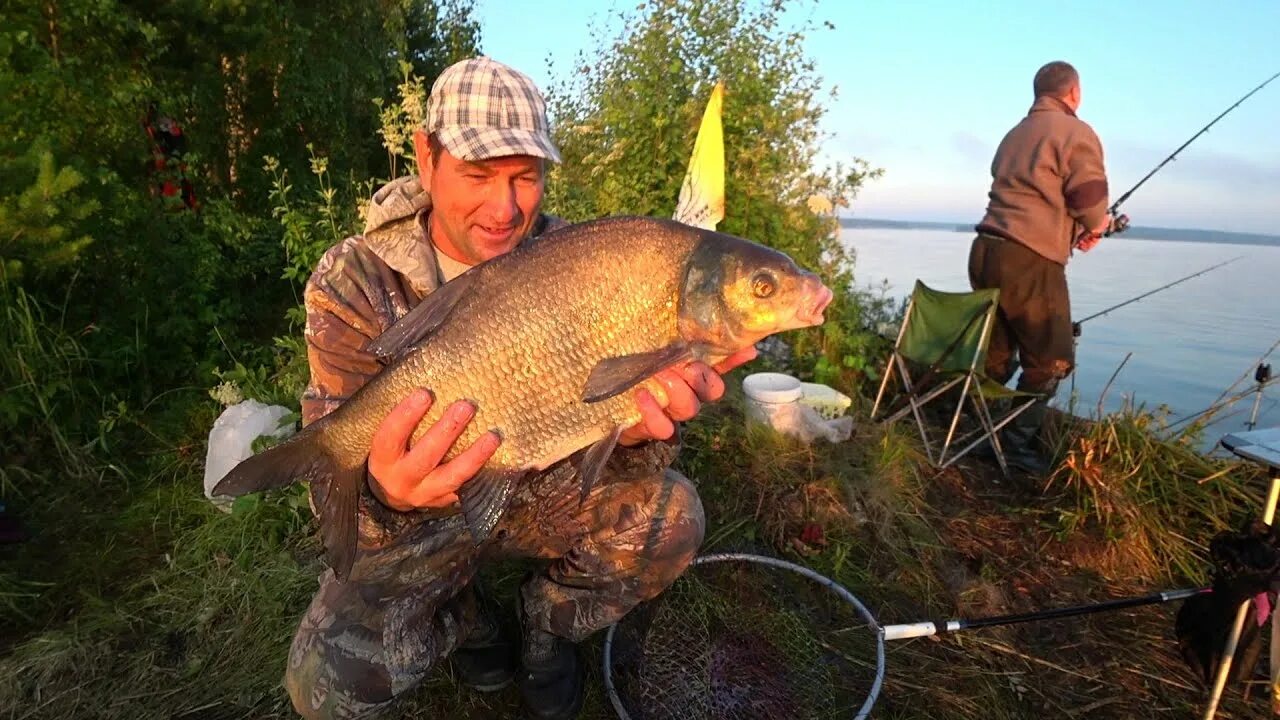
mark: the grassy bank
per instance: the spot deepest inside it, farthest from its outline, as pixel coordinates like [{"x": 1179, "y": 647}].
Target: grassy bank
[{"x": 153, "y": 604}]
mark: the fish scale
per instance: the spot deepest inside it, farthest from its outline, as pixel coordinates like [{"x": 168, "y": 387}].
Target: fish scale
[{"x": 541, "y": 401}]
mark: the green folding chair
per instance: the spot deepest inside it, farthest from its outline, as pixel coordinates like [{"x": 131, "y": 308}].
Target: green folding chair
[{"x": 947, "y": 334}]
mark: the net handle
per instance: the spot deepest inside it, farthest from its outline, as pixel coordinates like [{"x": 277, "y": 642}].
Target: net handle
[{"x": 822, "y": 580}]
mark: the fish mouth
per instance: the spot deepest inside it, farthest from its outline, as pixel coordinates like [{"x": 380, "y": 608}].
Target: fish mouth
[{"x": 816, "y": 299}]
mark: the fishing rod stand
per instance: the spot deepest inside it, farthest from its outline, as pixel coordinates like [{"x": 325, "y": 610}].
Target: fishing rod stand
[
  {"x": 1262, "y": 376},
  {"x": 1262, "y": 447}
]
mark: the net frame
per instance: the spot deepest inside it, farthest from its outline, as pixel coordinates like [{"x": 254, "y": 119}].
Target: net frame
[{"x": 839, "y": 590}]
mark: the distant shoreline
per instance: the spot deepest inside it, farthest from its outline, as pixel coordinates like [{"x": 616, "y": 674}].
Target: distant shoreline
[{"x": 1135, "y": 232}]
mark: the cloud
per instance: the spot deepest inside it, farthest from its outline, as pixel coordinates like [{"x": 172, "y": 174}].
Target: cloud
[
  {"x": 862, "y": 142},
  {"x": 1194, "y": 166},
  {"x": 971, "y": 147},
  {"x": 1204, "y": 188}
]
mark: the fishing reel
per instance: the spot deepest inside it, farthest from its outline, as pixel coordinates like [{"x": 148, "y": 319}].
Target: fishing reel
[
  {"x": 1086, "y": 240},
  {"x": 1119, "y": 224},
  {"x": 1263, "y": 374}
]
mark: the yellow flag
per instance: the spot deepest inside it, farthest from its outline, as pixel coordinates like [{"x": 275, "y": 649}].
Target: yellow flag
[{"x": 702, "y": 194}]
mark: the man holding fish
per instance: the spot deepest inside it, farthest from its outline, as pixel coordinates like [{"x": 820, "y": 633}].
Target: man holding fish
[{"x": 442, "y": 493}]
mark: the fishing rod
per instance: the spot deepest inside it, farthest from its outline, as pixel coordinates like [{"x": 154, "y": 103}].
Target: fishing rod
[
  {"x": 1229, "y": 401},
  {"x": 1120, "y": 222},
  {"x": 939, "y": 627},
  {"x": 1076, "y": 329},
  {"x": 1218, "y": 403},
  {"x": 1076, "y": 325},
  {"x": 1115, "y": 206}
]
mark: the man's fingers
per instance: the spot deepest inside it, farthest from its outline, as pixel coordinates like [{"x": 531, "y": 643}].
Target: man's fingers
[
  {"x": 654, "y": 419},
  {"x": 431, "y": 448},
  {"x": 391, "y": 439},
  {"x": 742, "y": 357},
  {"x": 440, "y": 485},
  {"x": 705, "y": 382},
  {"x": 686, "y": 387},
  {"x": 682, "y": 395},
  {"x": 424, "y": 497}
]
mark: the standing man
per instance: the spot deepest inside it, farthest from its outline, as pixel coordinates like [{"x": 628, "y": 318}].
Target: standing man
[
  {"x": 412, "y": 599},
  {"x": 1048, "y": 196}
]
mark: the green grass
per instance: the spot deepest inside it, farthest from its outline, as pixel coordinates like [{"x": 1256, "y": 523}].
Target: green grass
[
  {"x": 137, "y": 599},
  {"x": 1150, "y": 498}
]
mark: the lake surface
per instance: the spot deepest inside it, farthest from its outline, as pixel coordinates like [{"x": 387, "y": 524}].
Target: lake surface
[{"x": 1189, "y": 342}]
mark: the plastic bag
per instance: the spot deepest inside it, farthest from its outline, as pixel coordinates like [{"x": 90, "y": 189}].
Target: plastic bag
[
  {"x": 231, "y": 440},
  {"x": 803, "y": 422}
]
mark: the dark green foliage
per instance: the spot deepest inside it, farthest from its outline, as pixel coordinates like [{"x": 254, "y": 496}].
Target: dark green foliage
[
  {"x": 119, "y": 305},
  {"x": 155, "y": 296}
]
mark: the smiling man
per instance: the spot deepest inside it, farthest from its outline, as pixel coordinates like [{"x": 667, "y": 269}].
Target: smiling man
[{"x": 411, "y": 598}]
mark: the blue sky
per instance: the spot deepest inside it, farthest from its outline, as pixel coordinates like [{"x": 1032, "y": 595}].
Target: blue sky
[{"x": 927, "y": 89}]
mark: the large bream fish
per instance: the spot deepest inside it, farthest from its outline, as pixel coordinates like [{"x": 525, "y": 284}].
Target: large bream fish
[{"x": 546, "y": 341}]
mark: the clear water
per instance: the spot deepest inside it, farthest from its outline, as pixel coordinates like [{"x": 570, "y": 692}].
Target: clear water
[{"x": 1189, "y": 342}]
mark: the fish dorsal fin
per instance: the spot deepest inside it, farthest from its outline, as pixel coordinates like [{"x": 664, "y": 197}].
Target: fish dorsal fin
[
  {"x": 615, "y": 375},
  {"x": 423, "y": 319},
  {"x": 484, "y": 498},
  {"x": 591, "y": 465}
]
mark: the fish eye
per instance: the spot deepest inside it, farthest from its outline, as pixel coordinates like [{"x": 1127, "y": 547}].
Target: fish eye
[{"x": 763, "y": 284}]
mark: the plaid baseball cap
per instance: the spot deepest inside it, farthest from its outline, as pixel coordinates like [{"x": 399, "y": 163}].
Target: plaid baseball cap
[{"x": 480, "y": 109}]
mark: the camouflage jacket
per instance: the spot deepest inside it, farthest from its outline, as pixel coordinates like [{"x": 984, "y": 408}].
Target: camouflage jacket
[{"x": 359, "y": 289}]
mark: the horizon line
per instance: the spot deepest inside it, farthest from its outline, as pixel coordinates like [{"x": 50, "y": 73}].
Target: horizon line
[{"x": 957, "y": 224}]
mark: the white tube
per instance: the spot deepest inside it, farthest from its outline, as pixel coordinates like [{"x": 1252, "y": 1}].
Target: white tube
[{"x": 909, "y": 630}]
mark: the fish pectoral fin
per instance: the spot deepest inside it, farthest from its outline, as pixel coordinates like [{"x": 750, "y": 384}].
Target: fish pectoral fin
[
  {"x": 484, "y": 498},
  {"x": 423, "y": 319},
  {"x": 591, "y": 464},
  {"x": 338, "y": 508},
  {"x": 616, "y": 375}
]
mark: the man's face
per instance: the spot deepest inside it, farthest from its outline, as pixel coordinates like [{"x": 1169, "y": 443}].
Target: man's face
[{"x": 483, "y": 209}]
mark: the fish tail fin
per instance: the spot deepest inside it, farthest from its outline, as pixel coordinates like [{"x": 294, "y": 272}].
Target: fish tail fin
[
  {"x": 276, "y": 467},
  {"x": 335, "y": 488}
]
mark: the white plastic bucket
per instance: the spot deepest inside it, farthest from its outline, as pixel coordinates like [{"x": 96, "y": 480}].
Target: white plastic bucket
[{"x": 767, "y": 393}]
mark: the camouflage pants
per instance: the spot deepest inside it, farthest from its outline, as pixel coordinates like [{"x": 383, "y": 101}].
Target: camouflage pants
[{"x": 364, "y": 642}]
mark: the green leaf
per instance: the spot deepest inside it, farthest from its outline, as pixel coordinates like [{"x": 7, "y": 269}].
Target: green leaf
[{"x": 246, "y": 504}]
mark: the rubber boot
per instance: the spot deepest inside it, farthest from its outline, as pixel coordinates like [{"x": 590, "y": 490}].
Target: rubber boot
[
  {"x": 486, "y": 660},
  {"x": 1020, "y": 440},
  {"x": 552, "y": 680}
]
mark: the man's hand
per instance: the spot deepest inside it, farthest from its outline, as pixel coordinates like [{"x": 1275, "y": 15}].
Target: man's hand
[
  {"x": 1088, "y": 240},
  {"x": 407, "y": 478},
  {"x": 687, "y": 387}
]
